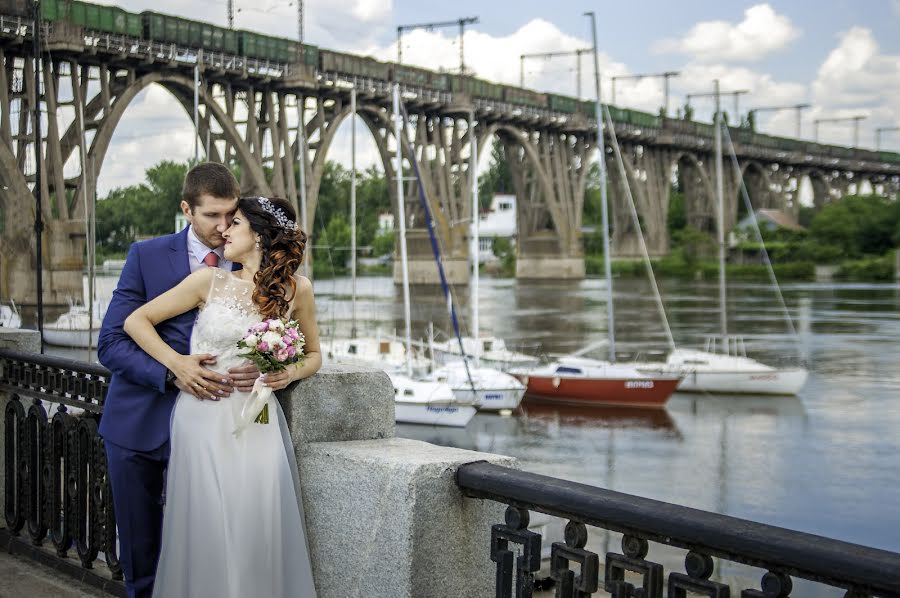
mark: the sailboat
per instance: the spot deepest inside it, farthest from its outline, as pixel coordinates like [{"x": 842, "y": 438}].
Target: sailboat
[
  {"x": 579, "y": 380},
  {"x": 9, "y": 316},
  {"x": 416, "y": 401},
  {"x": 488, "y": 388},
  {"x": 78, "y": 327},
  {"x": 723, "y": 365},
  {"x": 489, "y": 350},
  {"x": 377, "y": 351}
]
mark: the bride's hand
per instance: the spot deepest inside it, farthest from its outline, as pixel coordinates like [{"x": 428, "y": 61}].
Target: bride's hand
[
  {"x": 199, "y": 381},
  {"x": 279, "y": 380}
]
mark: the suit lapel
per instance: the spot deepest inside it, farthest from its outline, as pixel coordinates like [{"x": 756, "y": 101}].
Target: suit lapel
[{"x": 178, "y": 256}]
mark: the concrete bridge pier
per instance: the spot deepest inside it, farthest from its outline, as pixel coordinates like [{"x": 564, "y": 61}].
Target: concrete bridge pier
[
  {"x": 423, "y": 269},
  {"x": 538, "y": 257},
  {"x": 649, "y": 174},
  {"x": 63, "y": 263}
]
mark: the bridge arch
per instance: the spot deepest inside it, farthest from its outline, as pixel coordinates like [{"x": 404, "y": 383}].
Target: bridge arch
[
  {"x": 696, "y": 185},
  {"x": 758, "y": 183}
]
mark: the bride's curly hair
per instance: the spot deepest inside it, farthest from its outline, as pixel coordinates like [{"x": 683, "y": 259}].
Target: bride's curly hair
[{"x": 282, "y": 244}]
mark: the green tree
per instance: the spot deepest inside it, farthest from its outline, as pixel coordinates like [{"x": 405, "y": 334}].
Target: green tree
[
  {"x": 676, "y": 217},
  {"x": 497, "y": 179},
  {"x": 858, "y": 225},
  {"x": 146, "y": 209},
  {"x": 383, "y": 244},
  {"x": 334, "y": 244}
]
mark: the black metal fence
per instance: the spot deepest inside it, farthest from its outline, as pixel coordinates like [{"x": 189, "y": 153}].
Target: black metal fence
[
  {"x": 56, "y": 487},
  {"x": 783, "y": 553}
]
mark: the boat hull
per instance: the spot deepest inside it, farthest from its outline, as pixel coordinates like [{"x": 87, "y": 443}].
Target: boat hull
[
  {"x": 71, "y": 338},
  {"x": 439, "y": 414},
  {"x": 490, "y": 399},
  {"x": 443, "y": 357},
  {"x": 641, "y": 392},
  {"x": 778, "y": 382}
]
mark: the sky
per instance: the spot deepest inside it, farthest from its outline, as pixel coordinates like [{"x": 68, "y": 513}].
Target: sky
[{"x": 840, "y": 56}]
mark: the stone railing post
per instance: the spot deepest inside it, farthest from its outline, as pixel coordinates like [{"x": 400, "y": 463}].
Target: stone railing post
[
  {"x": 15, "y": 340},
  {"x": 384, "y": 516}
]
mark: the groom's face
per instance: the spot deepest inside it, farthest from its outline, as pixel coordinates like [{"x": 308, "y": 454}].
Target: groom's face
[{"x": 210, "y": 218}]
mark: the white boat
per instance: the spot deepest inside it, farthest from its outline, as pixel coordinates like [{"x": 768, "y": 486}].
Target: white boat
[
  {"x": 9, "y": 316},
  {"x": 429, "y": 403},
  {"x": 493, "y": 389},
  {"x": 378, "y": 352},
  {"x": 489, "y": 350},
  {"x": 708, "y": 372},
  {"x": 75, "y": 328},
  {"x": 730, "y": 371}
]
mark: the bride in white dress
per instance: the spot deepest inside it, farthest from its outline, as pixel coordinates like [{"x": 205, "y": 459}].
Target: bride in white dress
[{"x": 233, "y": 523}]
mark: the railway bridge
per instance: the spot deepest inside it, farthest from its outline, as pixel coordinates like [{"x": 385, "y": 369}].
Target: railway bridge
[{"x": 271, "y": 116}]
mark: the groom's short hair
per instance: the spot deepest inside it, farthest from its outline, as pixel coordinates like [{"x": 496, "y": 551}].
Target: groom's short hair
[{"x": 209, "y": 178}]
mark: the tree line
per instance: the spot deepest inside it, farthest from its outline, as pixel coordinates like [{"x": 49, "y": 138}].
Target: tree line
[{"x": 857, "y": 227}]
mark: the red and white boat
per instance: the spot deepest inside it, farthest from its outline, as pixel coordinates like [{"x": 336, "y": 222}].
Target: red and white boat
[{"x": 583, "y": 381}]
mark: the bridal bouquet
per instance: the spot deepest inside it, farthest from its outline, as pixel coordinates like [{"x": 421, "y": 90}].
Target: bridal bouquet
[{"x": 272, "y": 345}]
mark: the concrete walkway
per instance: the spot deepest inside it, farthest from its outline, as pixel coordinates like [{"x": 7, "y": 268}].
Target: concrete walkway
[{"x": 24, "y": 578}]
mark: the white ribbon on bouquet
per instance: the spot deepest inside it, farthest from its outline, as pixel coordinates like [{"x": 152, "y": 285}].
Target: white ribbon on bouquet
[{"x": 253, "y": 406}]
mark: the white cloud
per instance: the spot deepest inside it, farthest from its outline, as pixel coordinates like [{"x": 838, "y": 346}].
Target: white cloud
[
  {"x": 895, "y": 4},
  {"x": 762, "y": 32},
  {"x": 349, "y": 24},
  {"x": 496, "y": 58},
  {"x": 154, "y": 127},
  {"x": 763, "y": 89},
  {"x": 856, "y": 79}
]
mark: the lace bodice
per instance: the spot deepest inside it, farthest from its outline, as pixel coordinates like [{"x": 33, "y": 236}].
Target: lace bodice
[{"x": 224, "y": 319}]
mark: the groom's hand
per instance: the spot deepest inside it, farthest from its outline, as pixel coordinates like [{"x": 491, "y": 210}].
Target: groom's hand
[
  {"x": 243, "y": 377},
  {"x": 193, "y": 378}
]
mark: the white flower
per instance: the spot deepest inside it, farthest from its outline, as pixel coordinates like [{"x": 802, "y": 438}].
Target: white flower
[
  {"x": 276, "y": 325},
  {"x": 251, "y": 340},
  {"x": 273, "y": 339},
  {"x": 245, "y": 350}
]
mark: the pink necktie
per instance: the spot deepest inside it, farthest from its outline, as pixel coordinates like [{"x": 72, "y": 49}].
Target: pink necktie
[{"x": 211, "y": 259}]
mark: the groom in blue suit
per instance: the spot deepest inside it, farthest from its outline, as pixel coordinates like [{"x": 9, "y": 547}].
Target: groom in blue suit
[{"x": 138, "y": 407}]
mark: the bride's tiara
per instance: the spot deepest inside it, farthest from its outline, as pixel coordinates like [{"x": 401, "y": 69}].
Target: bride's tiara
[{"x": 277, "y": 213}]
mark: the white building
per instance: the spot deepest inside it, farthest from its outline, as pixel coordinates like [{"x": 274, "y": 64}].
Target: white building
[
  {"x": 385, "y": 222},
  {"x": 499, "y": 221}
]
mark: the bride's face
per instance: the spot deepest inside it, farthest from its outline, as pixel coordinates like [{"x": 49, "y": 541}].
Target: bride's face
[{"x": 240, "y": 240}]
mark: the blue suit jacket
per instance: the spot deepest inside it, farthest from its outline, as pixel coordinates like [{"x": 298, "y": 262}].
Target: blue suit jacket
[{"x": 138, "y": 406}]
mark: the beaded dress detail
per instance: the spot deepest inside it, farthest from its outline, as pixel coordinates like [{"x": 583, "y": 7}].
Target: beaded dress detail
[{"x": 233, "y": 522}]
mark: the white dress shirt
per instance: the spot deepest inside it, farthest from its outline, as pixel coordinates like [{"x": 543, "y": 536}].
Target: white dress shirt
[{"x": 197, "y": 250}]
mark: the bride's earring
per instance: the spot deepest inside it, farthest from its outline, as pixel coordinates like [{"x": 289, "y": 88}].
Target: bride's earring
[{"x": 257, "y": 243}]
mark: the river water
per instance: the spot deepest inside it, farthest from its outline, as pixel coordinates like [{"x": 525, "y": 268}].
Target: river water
[{"x": 824, "y": 462}]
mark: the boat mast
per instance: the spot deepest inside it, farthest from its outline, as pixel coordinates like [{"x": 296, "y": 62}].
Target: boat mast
[
  {"x": 474, "y": 237},
  {"x": 601, "y": 152},
  {"x": 401, "y": 213},
  {"x": 353, "y": 212},
  {"x": 720, "y": 225}
]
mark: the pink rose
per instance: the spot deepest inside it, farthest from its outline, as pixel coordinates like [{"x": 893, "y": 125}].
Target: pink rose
[
  {"x": 287, "y": 340},
  {"x": 292, "y": 352},
  {"x": 262, "y": 346},
  {"x": 281, "y": 354}
]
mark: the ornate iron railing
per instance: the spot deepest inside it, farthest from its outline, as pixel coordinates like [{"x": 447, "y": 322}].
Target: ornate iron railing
[
  {"x": 54, "y": 472},
  {"x": 783, "y": 553}
]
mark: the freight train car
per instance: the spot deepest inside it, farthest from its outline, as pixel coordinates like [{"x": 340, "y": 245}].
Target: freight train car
[
  {"x": 412, "y": 75},
  {"x": 563, "y": 104},
  {"x": 476, "y": 88},
  {"x": 168, "y": 29},
  {"x": 524, "y": 97},
  {"x": 17, "y": 8},
  {"x": 350, "y": 64}
]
